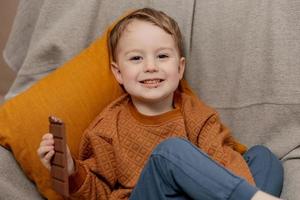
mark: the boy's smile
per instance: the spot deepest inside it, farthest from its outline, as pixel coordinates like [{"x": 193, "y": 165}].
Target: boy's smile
[
  {"x": 151, "y": 83},
  {"x": 148, "y": 65}
]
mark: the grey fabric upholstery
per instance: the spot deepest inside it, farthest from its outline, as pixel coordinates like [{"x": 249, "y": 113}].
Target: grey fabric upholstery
[
  {"x": 13, "y": 182},
  {"x": 243, "y": 60}
]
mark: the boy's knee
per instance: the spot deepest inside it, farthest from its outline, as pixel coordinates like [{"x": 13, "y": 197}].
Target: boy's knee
[
  {"x": 260, "y": 151},
  {"x": 262, "y": 154},
  {"x": 172, "y": 144},
  {"x": 267, "y": 169}
]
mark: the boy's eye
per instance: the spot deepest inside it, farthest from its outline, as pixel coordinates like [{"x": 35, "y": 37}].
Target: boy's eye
[
  {"x": 135, "y": 58},
  {"x": 162, "y": 56}
]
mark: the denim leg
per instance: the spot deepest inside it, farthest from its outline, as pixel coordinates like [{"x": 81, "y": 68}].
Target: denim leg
[
  {"x": 179, "y": 170},
  {"x": 266, "y": 169}
]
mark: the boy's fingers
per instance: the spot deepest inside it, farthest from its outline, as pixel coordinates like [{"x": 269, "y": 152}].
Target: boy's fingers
[
  {"x": 49, "y": 155},
  {"x": 47, "y": 136},
  {"x": 47, "y": 142},
  {"x": 46, "y": 150},
  {"x": 43, "y": 150}
]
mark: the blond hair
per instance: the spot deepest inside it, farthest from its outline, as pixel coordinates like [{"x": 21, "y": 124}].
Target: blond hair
[{"x": 153, "y": 16}]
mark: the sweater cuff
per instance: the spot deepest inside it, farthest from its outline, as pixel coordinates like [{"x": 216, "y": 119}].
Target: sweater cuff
[{"x": 77, "y": 179}]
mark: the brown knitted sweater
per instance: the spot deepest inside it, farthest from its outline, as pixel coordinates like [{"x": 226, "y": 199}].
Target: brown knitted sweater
[{"x": 117, "y": 144}]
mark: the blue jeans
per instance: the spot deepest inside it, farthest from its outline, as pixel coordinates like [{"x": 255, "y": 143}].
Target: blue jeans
[
  {"x": 179, "y": 170},
  {"x": 266, "y": 169}
]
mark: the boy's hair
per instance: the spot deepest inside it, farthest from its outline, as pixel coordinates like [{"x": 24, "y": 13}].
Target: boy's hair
[{"x": 153, "y": 16}]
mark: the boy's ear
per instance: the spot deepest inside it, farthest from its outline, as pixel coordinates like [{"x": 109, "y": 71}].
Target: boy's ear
[
  {"x": 181, "y": 67},
  {"x": 116, "y": 71}
]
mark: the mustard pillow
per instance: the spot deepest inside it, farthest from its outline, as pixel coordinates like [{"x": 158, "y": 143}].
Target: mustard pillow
[{"x": 75, "y": 92}]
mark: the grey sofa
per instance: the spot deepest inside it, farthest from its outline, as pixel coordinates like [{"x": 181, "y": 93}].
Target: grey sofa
[{"x": 243, "y": 59}]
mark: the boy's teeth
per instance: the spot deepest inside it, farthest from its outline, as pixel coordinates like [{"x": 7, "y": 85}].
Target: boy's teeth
[{"x": 151, "y": 81}]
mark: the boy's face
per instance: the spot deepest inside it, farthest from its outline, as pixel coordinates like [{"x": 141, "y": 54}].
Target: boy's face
[{"x": 148, "y": 64}]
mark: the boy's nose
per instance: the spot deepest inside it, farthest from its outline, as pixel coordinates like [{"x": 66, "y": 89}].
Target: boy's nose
[{"x": 150, "y": 66}]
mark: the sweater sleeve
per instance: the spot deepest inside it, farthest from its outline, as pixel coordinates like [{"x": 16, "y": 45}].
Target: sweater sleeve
[
  {"x": 216, "y": 140},
  {"x": 94, "y": 175}
]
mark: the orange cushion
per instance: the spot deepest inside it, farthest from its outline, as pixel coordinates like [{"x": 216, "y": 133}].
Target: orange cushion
[{"x": 75, "y": 92}]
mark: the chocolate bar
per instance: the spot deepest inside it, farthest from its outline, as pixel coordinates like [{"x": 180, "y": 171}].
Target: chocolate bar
[{"x": 59, "y": 168}]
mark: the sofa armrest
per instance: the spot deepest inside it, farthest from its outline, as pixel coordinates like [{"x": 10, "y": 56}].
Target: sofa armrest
[{"x": 291, "y": 163}]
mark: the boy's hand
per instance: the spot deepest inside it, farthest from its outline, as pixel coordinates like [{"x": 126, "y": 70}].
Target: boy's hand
[{"x": 46, "y": 152}]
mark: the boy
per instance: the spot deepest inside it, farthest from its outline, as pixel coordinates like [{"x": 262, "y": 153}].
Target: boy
[{"x": 159, "y": 141}]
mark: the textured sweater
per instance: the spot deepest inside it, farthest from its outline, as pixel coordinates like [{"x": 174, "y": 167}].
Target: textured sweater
[{"x": 116, "y": 146}]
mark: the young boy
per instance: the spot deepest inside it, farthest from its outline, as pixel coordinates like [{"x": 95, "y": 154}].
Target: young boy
[{"x": 159, "y": 141}]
